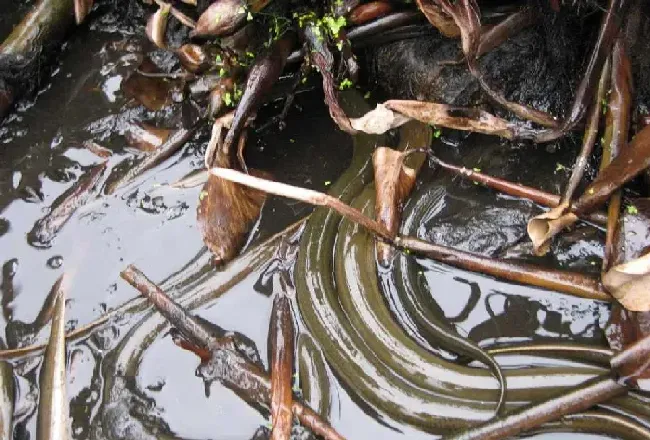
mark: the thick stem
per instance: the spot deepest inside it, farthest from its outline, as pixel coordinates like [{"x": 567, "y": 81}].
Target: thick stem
[{"x": 514, "y": 189}]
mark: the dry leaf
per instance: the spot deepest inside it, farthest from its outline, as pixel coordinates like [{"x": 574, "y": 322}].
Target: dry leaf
[
  {"x": 225, "y": 214},
  {"x": 629, "y": 283},
  {"x": 52, "y": 421},
  {"x": 378, "y": 121},
  {"x": 192, "y": 57},
  {"x": 393, "y": 183},
  {"x": 226, "y": 210},
  {"x": 369, "y": 11},
  {"x": 441, "y": 21},
  {"x": 542, "y": 228}
]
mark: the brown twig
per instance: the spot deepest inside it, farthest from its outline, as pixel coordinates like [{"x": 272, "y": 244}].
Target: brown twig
[
  {"x": 63, "y": 208},
  {"x": 579, "y": 399},
  {"x": 322, "y": 58},
  {"x": 187, "y": 21}
]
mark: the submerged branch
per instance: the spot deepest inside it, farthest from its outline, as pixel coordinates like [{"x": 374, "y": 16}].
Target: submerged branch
[{"x": 230, "y": 367}]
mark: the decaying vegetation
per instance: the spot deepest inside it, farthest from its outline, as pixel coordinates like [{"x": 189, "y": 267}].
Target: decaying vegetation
[{"x": 532, "y": 72}]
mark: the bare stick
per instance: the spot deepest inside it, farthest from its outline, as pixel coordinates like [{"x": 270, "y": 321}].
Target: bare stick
[{"x": 568, "y": 282}]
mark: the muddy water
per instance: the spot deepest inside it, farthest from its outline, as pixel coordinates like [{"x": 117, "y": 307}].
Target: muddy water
[{"x": 153, "y": 226}]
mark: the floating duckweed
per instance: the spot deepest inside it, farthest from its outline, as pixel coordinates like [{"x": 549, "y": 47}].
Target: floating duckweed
[
  {"x": 334, "y": 25},
  {"x": 227, "y": 98},
  {"x": 345, "y": 84}
]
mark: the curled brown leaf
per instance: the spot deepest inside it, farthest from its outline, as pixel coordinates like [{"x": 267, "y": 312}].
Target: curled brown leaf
[{"x": 393, "y": 183}]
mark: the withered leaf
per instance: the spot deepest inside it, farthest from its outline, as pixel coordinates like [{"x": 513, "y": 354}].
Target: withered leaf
[
  {"x": 441, "y": 21},
  {"x": 393, "y": 183},
  {"x": 225, "y": 214},
  {"x": 629, "y": 283},
  {"x": 370, "y": 11}
]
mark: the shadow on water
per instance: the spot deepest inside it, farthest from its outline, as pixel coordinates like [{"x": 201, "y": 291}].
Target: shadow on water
[{"x": 153, "y": 226}]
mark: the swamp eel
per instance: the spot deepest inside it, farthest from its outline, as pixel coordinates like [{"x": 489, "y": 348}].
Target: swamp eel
[{"x": 340, "y": 301}]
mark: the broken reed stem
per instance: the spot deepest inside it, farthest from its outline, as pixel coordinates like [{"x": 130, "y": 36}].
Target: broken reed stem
[
  {"x": 170, "y": 310},
  {"x": 572, "y": 283},
  {"x": 513, "y": 189},
  {"x": 509, "y": 26},
  {"x": 174, "y": 142},
  {"x": 568, "y": 282},
  {"x": 304, "y": 195},
  {"x": 194, "y": 331},
  {"x": 636, "y": 354},
  {"x": 592, "y": 392}
]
